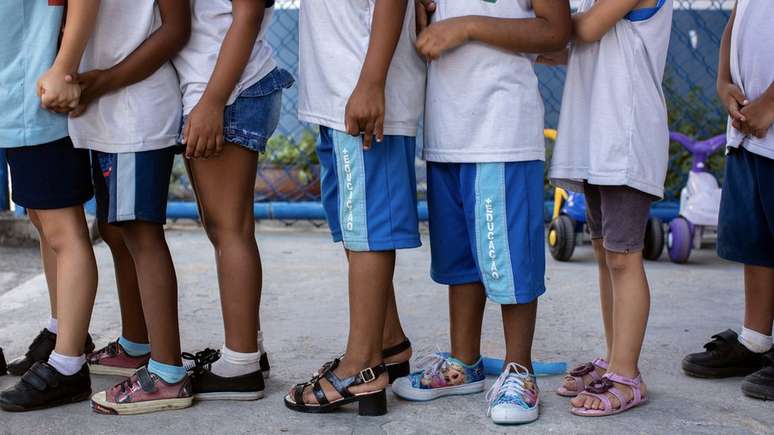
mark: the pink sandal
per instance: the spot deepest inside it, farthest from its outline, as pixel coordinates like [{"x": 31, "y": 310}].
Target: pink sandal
[
  {"x": 578, "y": 373},
  {"x": 600, "y": 389}
]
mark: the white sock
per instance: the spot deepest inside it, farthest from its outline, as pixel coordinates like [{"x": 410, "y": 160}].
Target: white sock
[
  {"x": 53, "y": 325},
  {"x": 260, "y": 343},
  {"x": 233, "y": 364},
  {"x": 755, "y": 341},
  {"x": 66, "y": 365}
]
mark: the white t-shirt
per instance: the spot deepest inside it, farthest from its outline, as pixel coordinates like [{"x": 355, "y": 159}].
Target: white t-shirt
[
  {"x": 613, "y": 127},
  {"x": 334, "y": 37},
  {"x": 752, "y": 65},
  {"x": 210, "y": 21},
  {"x": 141, "y": 117},
  {"x": 483, "y": 103}
]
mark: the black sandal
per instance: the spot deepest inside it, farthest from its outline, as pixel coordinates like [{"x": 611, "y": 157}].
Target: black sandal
[
  {"x": 373, "y": 403},
  {"x": 401, "y": 369}
]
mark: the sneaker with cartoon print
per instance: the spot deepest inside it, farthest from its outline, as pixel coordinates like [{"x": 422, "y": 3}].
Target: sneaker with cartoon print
[
  {"x": 440, "y": 376},
  {"x": 514, "y": 397}
]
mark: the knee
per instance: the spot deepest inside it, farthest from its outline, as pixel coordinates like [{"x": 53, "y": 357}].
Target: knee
[
  {"x": 60, "y": 239},
  {"x": 618, "y": 262},
  {"x": 140, "y": 237},
  {"x": 111, "y": 235},
  {"x": 232, "y": 234}
]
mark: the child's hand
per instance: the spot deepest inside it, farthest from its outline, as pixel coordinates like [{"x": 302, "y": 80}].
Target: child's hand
[
  {"x": 424, "y": 10},
  {"x": 56, "y": 93},
  {"x": 365, "y": 112},
  {"x": 93, "y": 84},
  {"x": 759, "y": 117},
  {"x": 441, "y": 37},
  {"x": 556, "y": 58},
  {"x": 203, "y": 131},
  {"x": 733, "y": 100}
]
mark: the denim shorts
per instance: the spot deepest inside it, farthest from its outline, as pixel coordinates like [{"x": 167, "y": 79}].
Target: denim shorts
[{"x": 251, "y": 120}]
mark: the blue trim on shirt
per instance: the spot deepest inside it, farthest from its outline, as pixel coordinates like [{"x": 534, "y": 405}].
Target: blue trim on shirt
[{"x": 644, "y": 14}]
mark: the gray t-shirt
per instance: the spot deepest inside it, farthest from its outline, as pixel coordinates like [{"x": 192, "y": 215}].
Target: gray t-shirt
[
  {"x": 144, "y": 116},
  {"x": 613, "y": 127},
  {"x": 752, "y": 65},
  {"x": 483, "y": 103},
  {"x": 334, "y": 37}
]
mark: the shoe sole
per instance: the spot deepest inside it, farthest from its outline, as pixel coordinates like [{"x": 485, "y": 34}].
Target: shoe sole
[
  {"x": 416, "y": 395},
  {"x": 229, "y": 395},
  {"x": 756, "y": 391},
  {"x": 100, "y": 369},
  {"x": 100, "y": 405},
  {"x": 516, "y": 418},
  {"x": 702, "y": 372},
  {"x": 66, "y": 401},
  {"x": 372, "y": 404}
]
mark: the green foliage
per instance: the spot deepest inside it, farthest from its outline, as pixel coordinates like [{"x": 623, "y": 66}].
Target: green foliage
[{"x": 284, "y": 150}]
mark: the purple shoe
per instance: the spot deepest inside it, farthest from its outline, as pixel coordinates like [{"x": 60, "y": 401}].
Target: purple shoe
[
  {"x": 604, "y": 388},
  {"x": 143, "y": 393},
  {"x": 114, "y": 361}
]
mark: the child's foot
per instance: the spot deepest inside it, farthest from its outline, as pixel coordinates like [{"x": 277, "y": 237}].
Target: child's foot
[
  {"x": 611, "y": 395},
  {"x": 39, "y": 351},
  {"x": 114, "y": 360},
  {"x": 514, "y": 398},
  {"x": 760, "y": 385},
  {"x": 190, "y": 360},
  {"x": 142, "y": 393},
  {"x": 44, "y": 387},
  {"x": 335, "y": 386},
  {"x": 581, "y": 376},
  {"x": 209, "y": 386},
  {"x": 440, "y": 376},
  {"x": 723, "y": 357}
]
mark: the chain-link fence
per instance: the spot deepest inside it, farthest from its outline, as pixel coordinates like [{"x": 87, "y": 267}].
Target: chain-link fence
[{"x": 289, "y": 170}]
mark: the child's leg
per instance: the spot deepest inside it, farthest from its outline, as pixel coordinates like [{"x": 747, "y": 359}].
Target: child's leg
[
  {"x": 66, "y": 232},
  {"x": 759, "y": 298},
  {"x": 605, "y": 294},
  {"x": 466, "y": 314},
  {"x": 519, "y": 326},
  {"x": 132, "y": 316},
  {"x": 48, "y": 257},
  {"x": 224, "y": 189},
  {"x": 158, "y": 287}
]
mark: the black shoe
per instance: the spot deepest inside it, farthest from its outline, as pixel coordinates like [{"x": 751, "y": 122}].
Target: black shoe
[
  {"x": 3, "y": 367},
  {"x": 265, "y": 367},
  {"x": 39, "y": 351},
  {"x": 724, "y": 357},
  {"x": 760, "y": 385},
  {"x": 401, "y": 369},
  {"x": 209, "y": 386},
  {"x": 44, "y": 387}
]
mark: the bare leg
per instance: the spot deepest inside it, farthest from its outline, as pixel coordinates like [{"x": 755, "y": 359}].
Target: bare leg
[
  {"x": 519, "y": 326},
  {"x": 759, "y": 298},
  {"x": 132, "y": 317},
  {"x": 224, "y": 189},
  {"x": 631, "y": 307},
  {"x": 466, "y": 314},
  {"x": 158, "y": 287},
  {"x": 49, "y": 262},
  {"x": 67, "y": 233}
]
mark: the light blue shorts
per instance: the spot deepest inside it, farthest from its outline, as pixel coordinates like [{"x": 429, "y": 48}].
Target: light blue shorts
[
  {"x": 370, "y": 197},
  {"x": 486, "y": 225}
]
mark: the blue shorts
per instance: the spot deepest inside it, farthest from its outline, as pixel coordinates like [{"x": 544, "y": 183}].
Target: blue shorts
[
  {"x": 746, "y": 224},
  {"x": 251, "y": 120},
  {"x": 370, "y": 197},
  {"x": 132, "y": 186},
  {"x": 50, "y": 176},
  {"x": 487, "y": 225}
]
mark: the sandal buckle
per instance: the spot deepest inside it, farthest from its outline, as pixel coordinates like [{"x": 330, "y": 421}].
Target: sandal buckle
[{"x": 368, "y": 375}]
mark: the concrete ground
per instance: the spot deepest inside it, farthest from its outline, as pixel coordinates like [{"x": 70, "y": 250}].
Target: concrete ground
[{"x": 304, "y": 321}]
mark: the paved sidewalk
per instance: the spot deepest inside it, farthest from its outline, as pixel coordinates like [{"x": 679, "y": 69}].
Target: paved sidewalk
[{"x": 304, "y": 320}]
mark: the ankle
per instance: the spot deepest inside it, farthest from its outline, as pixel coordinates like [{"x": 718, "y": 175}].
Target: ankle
[
  {"x": 522, "y": 361},
  {"x": 467, "y": 358}
]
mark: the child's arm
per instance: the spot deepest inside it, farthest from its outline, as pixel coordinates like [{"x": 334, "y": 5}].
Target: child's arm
[
  {"x": 364, "y": 113},
  {"x": 758, "y": 115},
  {"x": 54, "y": 91},
  {"x": 167, "y": 40},
  {"x": 548, "y": 31},
  {"x": 593, "y": 24},
  {"x": 730, "y": 95},
  {"x": 203, "y": 133}
]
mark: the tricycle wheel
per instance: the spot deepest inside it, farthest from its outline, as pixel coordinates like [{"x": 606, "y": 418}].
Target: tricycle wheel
[
  {"x": 654, "y": 239},
  {"x": 679, "y": 240},
  {"x": 561, "y": 238}
]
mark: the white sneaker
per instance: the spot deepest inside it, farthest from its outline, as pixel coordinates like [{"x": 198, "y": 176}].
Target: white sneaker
[
  {"x": 440, "y": 375},
  {"x": 514, "y": 397}
]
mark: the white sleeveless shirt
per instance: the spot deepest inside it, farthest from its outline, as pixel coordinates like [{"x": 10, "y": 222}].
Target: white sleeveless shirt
[{"x": 613, "y": 127}]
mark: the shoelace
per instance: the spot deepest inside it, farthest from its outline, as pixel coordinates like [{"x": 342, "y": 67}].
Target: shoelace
[
  {"x": 200, "y": 360},
  {"x": 432, "y": 364},
  {"x": 509, "y": 384}
]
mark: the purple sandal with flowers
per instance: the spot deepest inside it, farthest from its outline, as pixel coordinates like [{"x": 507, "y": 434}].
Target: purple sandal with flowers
[
  {"x": 602, "y": 388},
  {"x": 577, "y": 375}
]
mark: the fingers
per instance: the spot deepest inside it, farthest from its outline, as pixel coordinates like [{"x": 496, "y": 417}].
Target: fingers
[
  {"x": 352, "y": 124},
  {"x": 220, "y": 142},
  {"x": 422, "y": 17},
  {"x": 78, "y": 111},
  {"x": 368, "y": 136},
  {"x": 734, "y": 111},
  {"x": 191, "y": 140},
  {"x": 739, "y": 96},
  {"x": 379, "y": 129}
]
